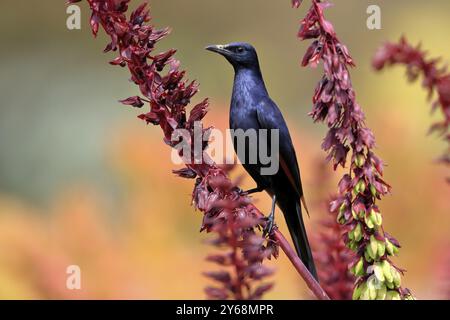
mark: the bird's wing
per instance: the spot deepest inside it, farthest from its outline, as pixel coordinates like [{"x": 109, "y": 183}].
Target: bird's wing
[{"x": 270, "y": 117}]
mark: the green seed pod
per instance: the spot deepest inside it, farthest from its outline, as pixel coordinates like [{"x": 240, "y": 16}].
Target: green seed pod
[
  {"x": 362, "y": 214},
  {"x": 373, "y": 190},
  {"x": 351, "y": 235},
  {"x": 372, "y": 216},
  {"x": 396, "y": 296},
  {"x": 364, "y": 292},
  {"x": 352, "y": 245},
  {"x": 381, "y": 248},
  {"x": 395, "y": 249},
  {"x": 357, "y": 232},
  {"x": 362, "y": 186},
  {"x": 372, "y": 288},
  {"x": 374, "y": 245},
  {"x": 389, "y": 248},
  {"x": 396, "y": 277},
  {"x": 357, "y": 292},
  {"x": 368, "y": 222},
  {"x": 369, "y": 251},
  {"x": 352, "y": 270},
  {"x": 367, "y": 256},
  {"x": 390, "y": 285},
  {"x": 378, "y": 271},
  {"x": 379, "y": 219},
  {"x": 340, "y": 218},
  {"x": 359, "y": 160},
  {"x": 386, "y": 266},
  {"x": 381, "y": 292},
  {"x": 392, "y": 295},
  {"x": 359, "y": 268},
  {"x": 354, "y": 214}
]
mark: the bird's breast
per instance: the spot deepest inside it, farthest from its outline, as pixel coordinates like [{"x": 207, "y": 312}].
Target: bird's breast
[{"x": 243, "y": 107}]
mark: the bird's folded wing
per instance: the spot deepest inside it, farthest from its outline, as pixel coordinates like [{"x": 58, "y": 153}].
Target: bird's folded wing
[{"x": 270, "y": 117}]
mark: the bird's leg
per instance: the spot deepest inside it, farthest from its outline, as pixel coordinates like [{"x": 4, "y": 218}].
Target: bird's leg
[{"x": 271, "y": 218}]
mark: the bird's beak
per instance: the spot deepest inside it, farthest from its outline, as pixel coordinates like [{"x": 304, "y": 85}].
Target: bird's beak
[{"x": 219, "y": 48}]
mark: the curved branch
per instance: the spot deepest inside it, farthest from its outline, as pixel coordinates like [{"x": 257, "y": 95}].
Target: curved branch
[{"x": 312, "y": 284}]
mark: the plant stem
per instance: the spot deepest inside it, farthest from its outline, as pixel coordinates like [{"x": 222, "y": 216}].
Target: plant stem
[{"x": 312, "y": 284}]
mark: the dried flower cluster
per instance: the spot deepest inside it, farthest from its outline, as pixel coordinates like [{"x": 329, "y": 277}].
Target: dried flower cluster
[
  {"x": 227, "y": 212},
  {"x": 435, "y": 80},
  {"x": 359, "y": 189}
]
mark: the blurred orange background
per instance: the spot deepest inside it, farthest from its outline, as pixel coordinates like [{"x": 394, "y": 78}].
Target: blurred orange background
[{"x": 83, "y": 182}]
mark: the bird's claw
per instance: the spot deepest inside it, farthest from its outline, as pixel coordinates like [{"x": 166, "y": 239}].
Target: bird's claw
[
  {"x": 241, "y": 192},
  {"x": 269, "y": 227}
]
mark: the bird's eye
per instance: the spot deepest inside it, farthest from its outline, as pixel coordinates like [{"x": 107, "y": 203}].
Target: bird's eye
[{"x": 239, "y": 49}]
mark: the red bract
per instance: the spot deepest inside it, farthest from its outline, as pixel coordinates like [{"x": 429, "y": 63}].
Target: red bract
[
  {"x": 227, "y": 212},
  {"x": 334, "y": 103},
  {"x": 435, "y": 79}
]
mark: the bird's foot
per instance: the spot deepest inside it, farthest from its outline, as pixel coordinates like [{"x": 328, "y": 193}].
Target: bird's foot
[
  {"x": 241, "y": 193},
  {"x": 270, "y": 226}
]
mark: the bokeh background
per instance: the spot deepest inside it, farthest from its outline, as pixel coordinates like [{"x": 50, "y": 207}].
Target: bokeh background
[{"x": 83, "y": 182}]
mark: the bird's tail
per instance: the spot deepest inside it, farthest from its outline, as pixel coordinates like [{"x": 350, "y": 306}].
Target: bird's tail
[{"x": 293, "y": 214}]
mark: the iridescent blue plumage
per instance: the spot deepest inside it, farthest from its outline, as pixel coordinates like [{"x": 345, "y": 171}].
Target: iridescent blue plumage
[{"x": 252, "y": 108}]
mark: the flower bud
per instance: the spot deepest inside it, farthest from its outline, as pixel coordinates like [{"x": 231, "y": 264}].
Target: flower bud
[
  {"x": 359, "y": 160},
  {"x": 381, "y": 248},
  {"x": 390, "y": 285},
  {"x": 381, "y": 292},
  {"x": 368, "y": 222},
  {"x": 395, "y": 249},
  {"x": 396, "y": 277},
  {"x": 376, "y": 217},
  {"x": 373, "y": 190},
  {"x": 357, "y": 292},
  {"x": 357, "y": 232},
  {"x": 340, "y": 218},
  {"x": 359, "y": 268},
  {"x": 372, "y": 288},
  {"x": 374, "y": 245},
  {"x": 392, "y": 295},
  {"x": 364, "y": 292},
  {"x": 386, "y": 266},
  {"x": 362, "y": 186},
  {"x": 353, "y": 246},
  {"x": 351, "y": 234},
  {"x": 378, "y": 271},
  {"x": 389, "y": 247},
  {"x": 370, "y": 252}
]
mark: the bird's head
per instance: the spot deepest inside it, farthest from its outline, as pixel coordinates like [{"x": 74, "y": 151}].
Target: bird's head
[{"x": 239, "y": 54}]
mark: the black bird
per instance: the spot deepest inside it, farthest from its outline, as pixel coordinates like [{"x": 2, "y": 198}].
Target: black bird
[{"x": 252, "y": 108}]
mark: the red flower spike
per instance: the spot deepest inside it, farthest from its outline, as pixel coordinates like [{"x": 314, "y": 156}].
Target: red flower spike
[
  {"x": 334, "y": 103},
  {"x": 435, "y": 79}
]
